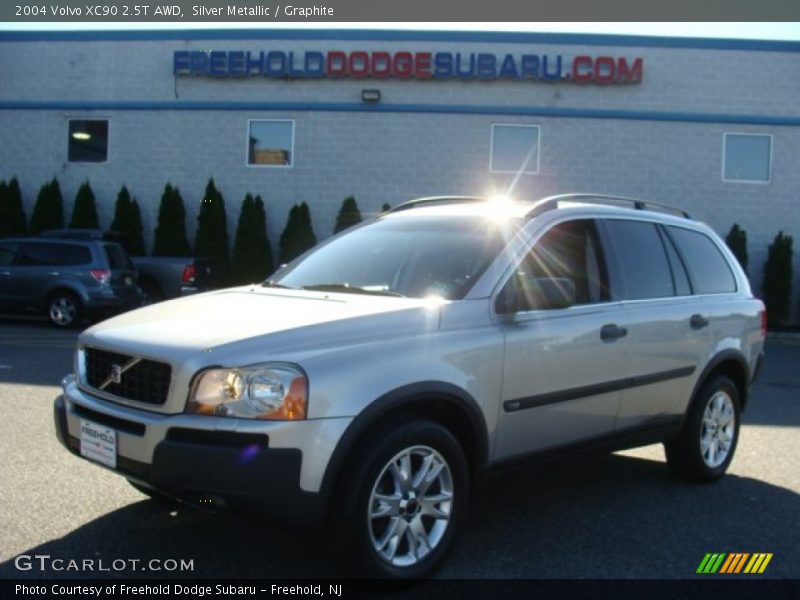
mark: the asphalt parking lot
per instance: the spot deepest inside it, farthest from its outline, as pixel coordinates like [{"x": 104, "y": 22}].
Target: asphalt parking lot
[{"x": 619, "y": 516}]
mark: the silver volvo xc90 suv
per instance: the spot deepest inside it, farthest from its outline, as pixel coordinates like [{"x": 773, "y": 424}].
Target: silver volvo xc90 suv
[{"x": 374, "y": 379}]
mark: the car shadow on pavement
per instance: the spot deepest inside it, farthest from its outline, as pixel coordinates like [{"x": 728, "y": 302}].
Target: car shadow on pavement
[{"x": 616, "y": 516}]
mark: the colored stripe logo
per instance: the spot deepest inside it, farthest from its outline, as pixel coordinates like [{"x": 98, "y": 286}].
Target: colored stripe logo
[{"x": 734, "y": 563}]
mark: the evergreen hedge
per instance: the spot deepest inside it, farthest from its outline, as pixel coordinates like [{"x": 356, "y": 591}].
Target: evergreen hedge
[
  {"x": 128, "y": 222},
  {"x": 252, "y": 255},
  {"x": 12, "y": 215},
  {"x": 211, "y": 236},
  {"x": 348, "y": 216},
  {"x": 298, "y": 236},
  {"x": 48, "y": 211},
  {"x": 737, "y": 242},
  {"x": 170, "y": 237},
  {"x": 84, "y": 211},
  {"x": 777, "y": 284}
]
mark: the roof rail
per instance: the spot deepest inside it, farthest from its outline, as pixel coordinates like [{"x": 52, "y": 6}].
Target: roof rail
[
  {"x": 435, "y": 200},
  {"x": 551, "y": 203}
]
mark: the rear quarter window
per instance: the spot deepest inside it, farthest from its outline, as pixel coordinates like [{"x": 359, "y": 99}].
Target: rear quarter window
[
  {"x": 710, "y": 272},
  {"x": 117, "y": 257}
]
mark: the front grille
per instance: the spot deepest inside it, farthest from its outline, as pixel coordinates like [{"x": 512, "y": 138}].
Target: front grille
[{"x": 147, "y": 381}]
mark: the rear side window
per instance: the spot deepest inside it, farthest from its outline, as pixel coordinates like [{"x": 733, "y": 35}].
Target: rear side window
[
  {"x": 710, "y": 272},
  {"x": 35, "y": 254},
  {"x": 642, "y": 259},
  {"x": 117, "y": 258}
]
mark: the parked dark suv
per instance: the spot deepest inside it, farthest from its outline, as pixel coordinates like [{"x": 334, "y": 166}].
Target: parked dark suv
[{"x": 66, "y": 279}]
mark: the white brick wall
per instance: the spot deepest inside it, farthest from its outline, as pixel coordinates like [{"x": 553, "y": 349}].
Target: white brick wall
[{"x": 389, "y": 157}]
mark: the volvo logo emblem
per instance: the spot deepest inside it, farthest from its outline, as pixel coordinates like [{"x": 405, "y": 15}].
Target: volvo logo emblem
[{"x": 118, "y": 371}]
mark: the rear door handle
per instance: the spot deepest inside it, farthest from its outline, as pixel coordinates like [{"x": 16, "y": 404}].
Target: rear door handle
[
  {"x": 5, "y": 273},
  {"x": 698, "y": 321},
  {"x": 612, "y": 331},
  {"x": 54, "y": 273}
]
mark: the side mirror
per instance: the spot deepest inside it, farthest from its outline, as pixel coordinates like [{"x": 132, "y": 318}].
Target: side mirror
[{"x": 536, "y": 293}]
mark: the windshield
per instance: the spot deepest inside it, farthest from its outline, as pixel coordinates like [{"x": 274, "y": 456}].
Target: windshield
[{"x": 414, "y": 256}]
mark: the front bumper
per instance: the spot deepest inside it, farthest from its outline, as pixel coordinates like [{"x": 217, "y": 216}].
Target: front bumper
[{"x": 202, "y": 465}]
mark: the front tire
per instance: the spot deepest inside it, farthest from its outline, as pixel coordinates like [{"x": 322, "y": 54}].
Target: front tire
[
  {"x": 409, "y": 497},
  {"x": 64, "y": 309},
  {"x": 704, "y": 449}
]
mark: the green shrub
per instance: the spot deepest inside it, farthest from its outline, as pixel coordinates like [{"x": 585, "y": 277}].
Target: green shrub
[
  {"x": 84, "y": 211},
  {"x": 298, "y": 236},
  {"x": 211, "y": 237},
  {"x": 737, "y": 242},
  {"x": 170, "y": 237},
  {"x": 252, "y": 255},
  {"x": 386, "y": 206},
  {"x": 12, "y": 215},
  {"x": 128, "y": 222},
  {"x": 48, "y": 211},
  {"x": 777, "y": 284},
  {"x": 348, "y": 216}
]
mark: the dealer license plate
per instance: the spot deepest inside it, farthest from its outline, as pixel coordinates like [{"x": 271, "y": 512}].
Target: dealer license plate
[{"x": 99, "y": 443}]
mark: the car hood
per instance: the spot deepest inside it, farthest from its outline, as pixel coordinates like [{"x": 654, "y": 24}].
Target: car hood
[{"x": 232, "y": 316}]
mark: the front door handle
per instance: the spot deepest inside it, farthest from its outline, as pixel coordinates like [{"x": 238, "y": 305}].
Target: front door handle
[
  {"x": 5, "y": 273},
  {"x": 698, "y": 321},
  {"x": 612, "y": 331},
  {"x": 54, "y": 273}
]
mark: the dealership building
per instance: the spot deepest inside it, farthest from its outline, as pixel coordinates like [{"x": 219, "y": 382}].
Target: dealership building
[{"x": 710, "y": 126}]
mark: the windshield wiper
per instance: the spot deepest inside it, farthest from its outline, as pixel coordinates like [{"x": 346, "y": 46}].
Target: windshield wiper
[{"x": 349, "y": 289}]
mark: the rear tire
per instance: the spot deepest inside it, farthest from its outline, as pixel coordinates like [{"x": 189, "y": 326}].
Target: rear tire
[
  {"x": 64, "y": 309},
  {"x": 405, "y": 499},
  {"x": 705, "y": 446}
]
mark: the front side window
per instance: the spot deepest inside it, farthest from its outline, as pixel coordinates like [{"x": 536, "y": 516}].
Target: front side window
[
  {"x": 642, "y": 259},
  {"x": 413, "y": 256},
  {"x": 270, "y": 143},
  {"x": 88, "y": 140},
  {"x": 570, "y": 256},
  {"x": 514, "y": 149},
  {"x": 747, "y": 158}
]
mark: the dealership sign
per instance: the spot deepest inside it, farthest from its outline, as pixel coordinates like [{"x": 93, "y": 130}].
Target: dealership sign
[{"x": 408, "y": 65}]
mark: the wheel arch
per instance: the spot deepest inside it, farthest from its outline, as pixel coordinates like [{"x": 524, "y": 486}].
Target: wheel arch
[
  {"x": 61, "y": 287},
  {"x": 444, "y": 403},
  {"x": 733, "y": 365}
]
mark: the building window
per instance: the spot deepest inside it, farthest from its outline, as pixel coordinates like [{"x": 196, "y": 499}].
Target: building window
[
  {"x": 515, "y": 149},
  {"x": 88, "y": 140},
  {"x": 747, "y": 157},
  {"x": 270, "y": 143}
]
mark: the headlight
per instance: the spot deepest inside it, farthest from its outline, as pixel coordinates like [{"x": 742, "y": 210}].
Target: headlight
[{"x": 269, "y": 391}]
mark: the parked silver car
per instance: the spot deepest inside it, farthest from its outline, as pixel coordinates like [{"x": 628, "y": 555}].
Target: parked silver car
[{"x": 375, "y": 378}]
